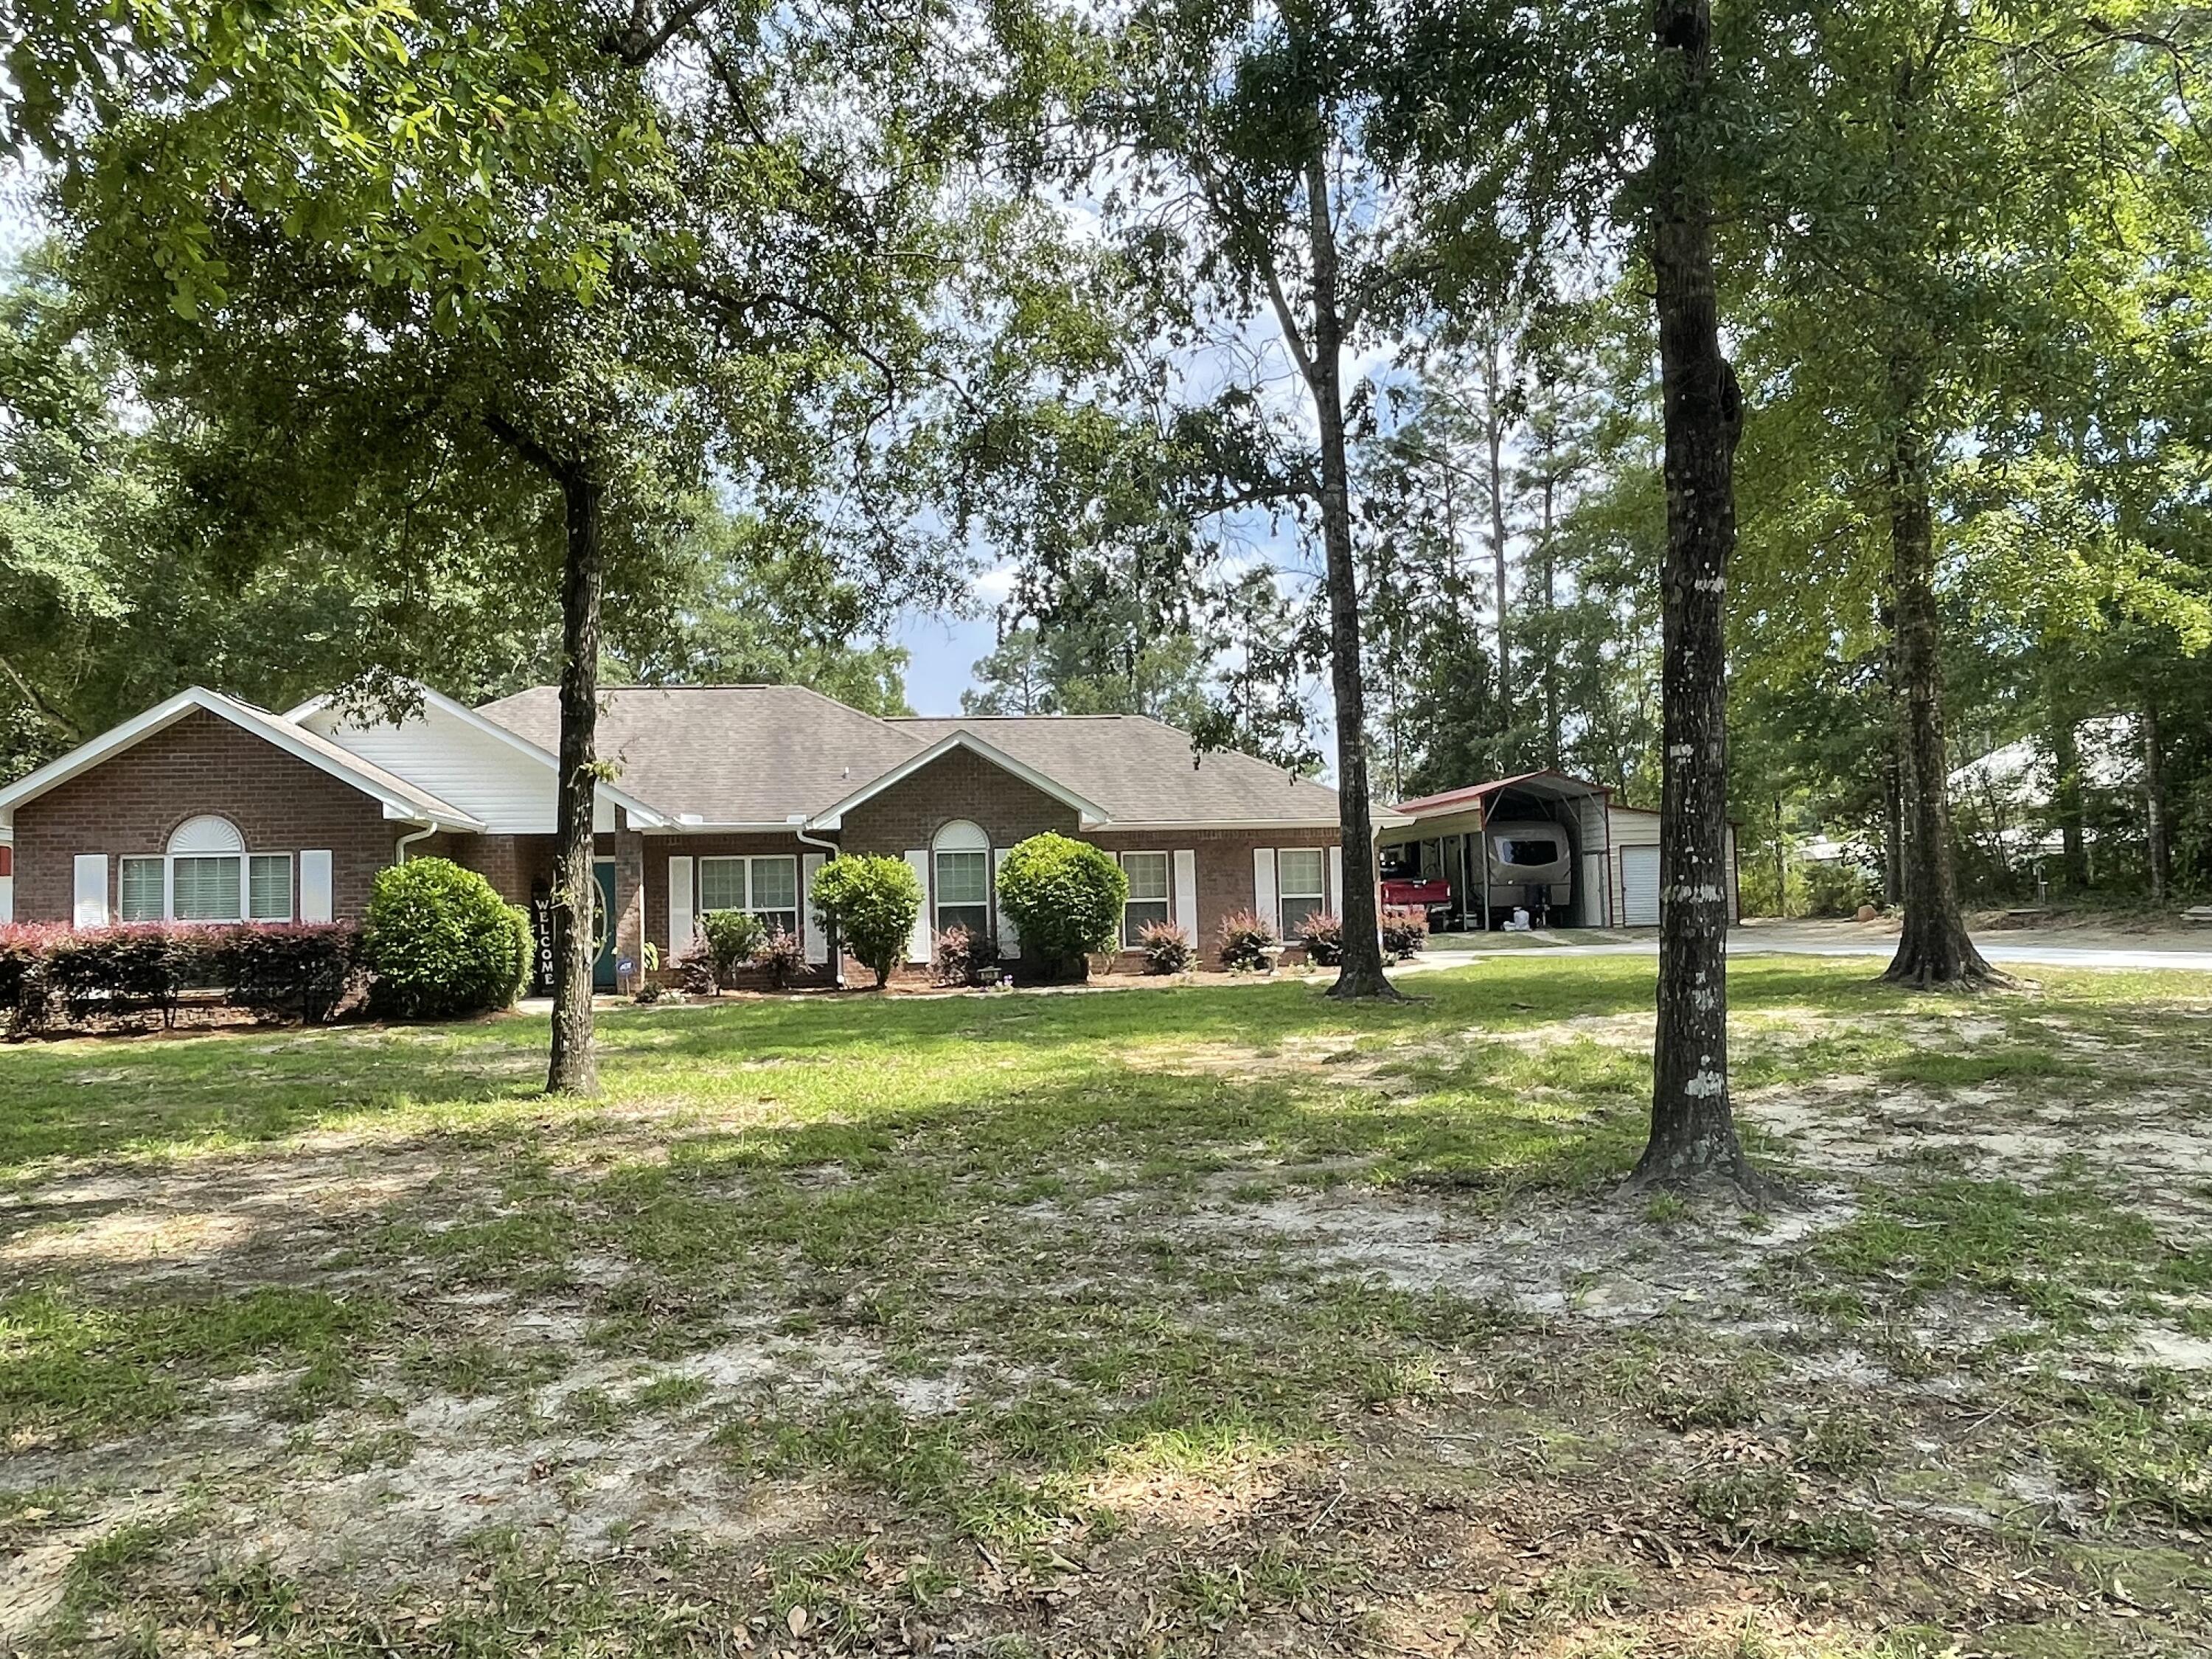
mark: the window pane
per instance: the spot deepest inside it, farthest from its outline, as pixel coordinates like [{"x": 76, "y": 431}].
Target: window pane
[
  {"x": 1295, "y": 912},
  {"x": 963, "y": 879},
  {"x": 969, "y": 916},
  {"x": 140, "y": 896},
  {"x": 722, "y": 883},
  {"x": 776, "y": 884},
  {"x": 1142, "y": 913},
  {"x": 207, "y": 889},
  {"x": 1147, "y": 874},
  {"x": 780, "y": 920},
  {"x": 1299, "y": 872},
  {"x": 271, "y": 887}
]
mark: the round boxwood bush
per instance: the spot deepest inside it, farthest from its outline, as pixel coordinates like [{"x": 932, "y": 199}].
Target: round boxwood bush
[
  {"x": 871, "y": 901},
  {"x": 441, "y": 942},
  {"x": 1065, "y": 897}
]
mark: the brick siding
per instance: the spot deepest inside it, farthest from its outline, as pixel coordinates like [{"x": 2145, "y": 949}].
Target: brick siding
[
  {"x": 959, "y": 785},
  {"x": 1224, "y": 870},
  {"x": 130, "y": 804}
]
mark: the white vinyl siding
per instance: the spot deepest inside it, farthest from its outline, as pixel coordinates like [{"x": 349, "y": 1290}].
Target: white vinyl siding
[
  {"x": 1148, "y": 893},
  {"x": 768, "y": 886},
  {"x": 1301, "y": 876},
  {"x": 139, "y": 895},
  {"x": 269, "y": 890}
]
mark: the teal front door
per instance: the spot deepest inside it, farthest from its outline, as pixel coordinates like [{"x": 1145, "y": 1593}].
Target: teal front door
[{"x": 603, "y": 933}]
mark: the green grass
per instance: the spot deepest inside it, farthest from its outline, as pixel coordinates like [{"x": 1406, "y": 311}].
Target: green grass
[{"x": 1033, "y": 1224}]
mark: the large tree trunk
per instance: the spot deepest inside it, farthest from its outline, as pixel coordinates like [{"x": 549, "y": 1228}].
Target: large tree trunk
[
  {"x": 1493, "y": 426},
  {"x": 1693, "y": 1139},
  {"x": 1360, "y": 974},
  {"x": 1934, "y": 949},
  {"x": 2155, "y": 803},
  {"x": 575, "y": 1069}
]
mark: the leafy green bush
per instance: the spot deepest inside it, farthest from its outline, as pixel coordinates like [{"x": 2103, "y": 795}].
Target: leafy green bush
[
  {"x": 732, "y": 938},
  {"x": 871, "y": 901},
  {"x": 1248, "y": 940},
  {"x": 1065, "y": 897},
  {"x": 441, "y": 943},
  {"x": 1167, "y": 948},
  {"x": 1322, "y": 934}
]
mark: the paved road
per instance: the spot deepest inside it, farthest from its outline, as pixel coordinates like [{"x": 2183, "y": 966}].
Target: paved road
[{"x": 2075, "y": 947}]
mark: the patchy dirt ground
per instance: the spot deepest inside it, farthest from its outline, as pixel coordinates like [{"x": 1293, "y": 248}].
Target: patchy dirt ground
[{"x": 1219, "y": 1321}]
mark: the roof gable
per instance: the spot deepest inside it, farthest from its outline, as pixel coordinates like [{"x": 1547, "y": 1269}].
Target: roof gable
[
  {"x": 1091, "y": 815},
  {"x": 401, "y": 800}
]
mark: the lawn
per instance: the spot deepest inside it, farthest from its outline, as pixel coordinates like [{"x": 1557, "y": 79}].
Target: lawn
[{"x": 1187, "y": 1321}]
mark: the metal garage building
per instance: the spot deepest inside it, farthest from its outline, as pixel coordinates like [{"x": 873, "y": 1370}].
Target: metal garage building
[{"x": 1600, "y": 868}]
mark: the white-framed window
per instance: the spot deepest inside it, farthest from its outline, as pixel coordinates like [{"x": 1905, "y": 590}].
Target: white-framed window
[
  {"x": 768, "y": 886},
  {"x": 141, "y": 893},
  {"x": 205, "y": 875},
  {"x": 1148, "y": 893},
  {"x": 960, "y": 888},
  {"x": 1302, "y": 886}
]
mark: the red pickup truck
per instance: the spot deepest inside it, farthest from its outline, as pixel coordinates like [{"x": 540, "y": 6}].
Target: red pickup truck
[{"x": 1409, "y": 893}]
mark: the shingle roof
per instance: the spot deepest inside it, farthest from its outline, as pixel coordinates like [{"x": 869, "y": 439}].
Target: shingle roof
[
  {"x": 1143, "y": 772},
  {"x": 767, "y": 754}
]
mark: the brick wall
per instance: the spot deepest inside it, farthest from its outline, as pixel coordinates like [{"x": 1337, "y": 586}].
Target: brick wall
[
  {"x": 959, "y": 785},
  {"x": 1224, "y": 868},
  {"x": 130, "y": 804}
]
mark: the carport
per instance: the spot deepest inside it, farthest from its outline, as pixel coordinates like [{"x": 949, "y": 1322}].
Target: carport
[{"x": 1494, "y": 843}]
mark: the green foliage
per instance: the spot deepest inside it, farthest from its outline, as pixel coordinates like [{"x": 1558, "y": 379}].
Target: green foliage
[
  {"x": 1066, "y": 897},
  {"x": 441, "y": 943},
  {"x": 871, "y": 901},
  {"x": 960, "y": 958},
  {"x": 733, "y": 938}
]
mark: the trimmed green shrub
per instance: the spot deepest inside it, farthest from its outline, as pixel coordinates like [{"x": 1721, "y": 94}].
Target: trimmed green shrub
[
  {"x": 441, "y": 942},
  {"x": 1322, "y": 934},
  {"x": 1248, "y": 940},
  {"x": 872, "y": 900},
  {"x": 1167, "y": 948},
  {"x": 303, "y": 968},
  {"x": 1405, "y": 931},
  {"x": 1065, "y": 897},
  {"x": 962, "y": 957},
  {"x": 732, "y": 938}
]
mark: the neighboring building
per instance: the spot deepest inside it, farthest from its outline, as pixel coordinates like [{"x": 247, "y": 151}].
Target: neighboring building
[
  {"x": 1596, "y": 862},
  {"x": 206, "y": 808}
]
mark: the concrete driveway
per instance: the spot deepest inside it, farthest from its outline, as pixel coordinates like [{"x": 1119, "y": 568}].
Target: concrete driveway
[{"x": 2082, "y": 946}]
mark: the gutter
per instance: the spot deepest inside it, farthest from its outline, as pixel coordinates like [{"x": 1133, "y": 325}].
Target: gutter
[{"x": 836, "y": 945}]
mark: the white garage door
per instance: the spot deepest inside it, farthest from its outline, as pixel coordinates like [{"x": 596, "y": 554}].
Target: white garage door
[{"x": 1639, "y": 886}]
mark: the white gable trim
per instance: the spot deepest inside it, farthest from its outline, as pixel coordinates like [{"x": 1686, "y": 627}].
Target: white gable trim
[
  {"x": 1091, "y": 815},
  {"x": 641, "y": 816},
  {"x": 269, "y": 727}
]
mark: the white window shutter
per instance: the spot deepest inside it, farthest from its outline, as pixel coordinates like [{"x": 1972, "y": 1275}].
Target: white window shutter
[
  {"x": 1336, "y": 899},
  {"x": 681, "y": 910},
  {"x": 810, "y": 926},
  {"x": 1185, "y": 890},
  {"x": 91, "y": 890},
  {"x": 315, "y": 884},
  {"x": 1263, "y": 886},
  {"x": 1009, "y": 937},
  {"x": 917, "y": 948}
]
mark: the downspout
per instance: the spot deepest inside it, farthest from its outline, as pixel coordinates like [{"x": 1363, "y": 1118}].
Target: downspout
[
  {"x": 399, "y": 850},
  {"x": 836, "y": 945}
]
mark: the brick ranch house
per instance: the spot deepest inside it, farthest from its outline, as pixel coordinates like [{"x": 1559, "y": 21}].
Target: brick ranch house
[{"x": 206, "y": 808}]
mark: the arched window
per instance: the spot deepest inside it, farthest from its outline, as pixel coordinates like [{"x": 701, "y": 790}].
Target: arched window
[
  {"x": 962, "y": 883},
  {"x": 205, "y": 874}
]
